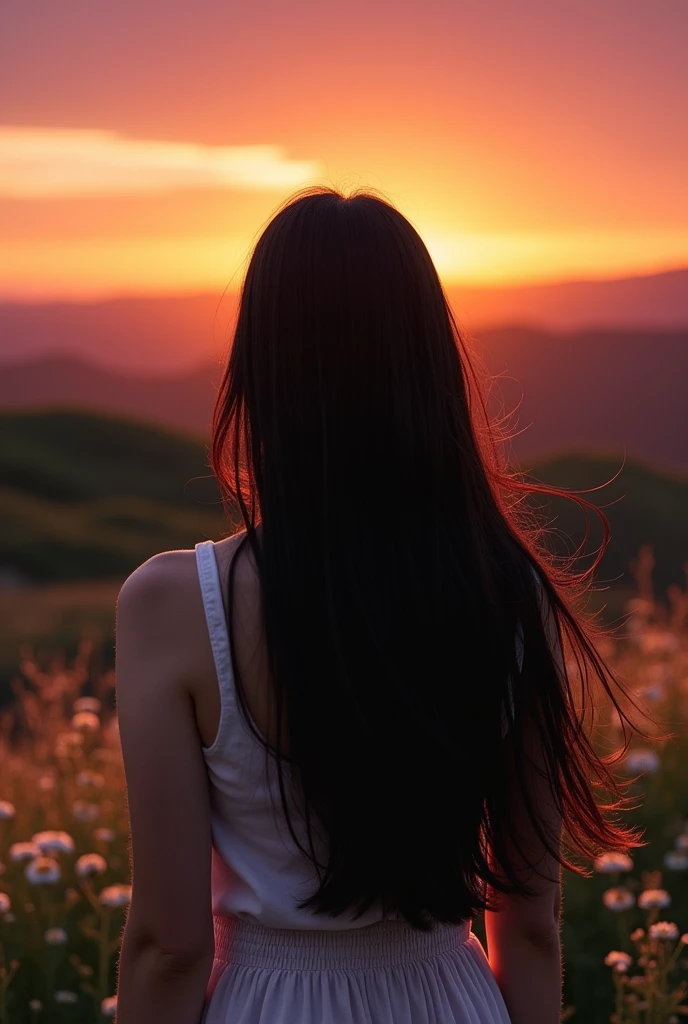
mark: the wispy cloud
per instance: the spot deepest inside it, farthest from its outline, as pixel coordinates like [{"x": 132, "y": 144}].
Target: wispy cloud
[{"x": 59, "y": 162}]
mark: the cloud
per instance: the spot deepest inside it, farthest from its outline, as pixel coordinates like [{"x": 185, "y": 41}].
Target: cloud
[{"x": 61, "y": 162}]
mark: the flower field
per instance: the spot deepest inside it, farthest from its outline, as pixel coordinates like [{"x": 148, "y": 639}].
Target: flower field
[
  {"x": 64, "y": 866},
  {"x": 64, "y": 862}
]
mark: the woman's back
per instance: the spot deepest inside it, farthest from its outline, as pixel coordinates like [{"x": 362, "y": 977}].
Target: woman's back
[
  {"x": 375, "y": 750},
  {"x": 259, "y": 874}
]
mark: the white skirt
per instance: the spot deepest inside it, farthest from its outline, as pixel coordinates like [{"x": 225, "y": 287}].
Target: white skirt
[{"x": 386, "y": 973}]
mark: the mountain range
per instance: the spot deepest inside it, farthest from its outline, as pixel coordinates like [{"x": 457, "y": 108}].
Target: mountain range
[
  {"x": 603, "y": 389},
  {"x": 164, "y": 334}
]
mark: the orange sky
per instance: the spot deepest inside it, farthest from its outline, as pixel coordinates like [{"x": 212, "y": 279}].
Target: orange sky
[{"x": 143, "y": 146}]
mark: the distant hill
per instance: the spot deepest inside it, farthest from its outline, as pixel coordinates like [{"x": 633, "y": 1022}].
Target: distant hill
[
  {"x": 89, "y": 497},
  {"x": 168, "y": 333},
  {"x": 181, "y": 402},
  {"x": 658, "y": 301},
  {"x": 141, "y": 334},
  {"x": 596, "y": 389},
  {"x": 643, "y": 505}
]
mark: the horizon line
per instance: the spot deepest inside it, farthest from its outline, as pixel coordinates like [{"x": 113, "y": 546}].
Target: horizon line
[{"x": 449, "y": 286}]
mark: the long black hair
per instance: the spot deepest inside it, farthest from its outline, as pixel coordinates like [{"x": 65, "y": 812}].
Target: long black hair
[{"x": 396, "y": 563}]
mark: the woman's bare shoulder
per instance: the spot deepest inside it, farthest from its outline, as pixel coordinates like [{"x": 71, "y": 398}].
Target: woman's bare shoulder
[
  {"x": 167, "y": 572},
  {"x": 163, "y": 597}
]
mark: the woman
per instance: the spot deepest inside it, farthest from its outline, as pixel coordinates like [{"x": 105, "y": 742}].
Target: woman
[{"x": 348, "y": 728}]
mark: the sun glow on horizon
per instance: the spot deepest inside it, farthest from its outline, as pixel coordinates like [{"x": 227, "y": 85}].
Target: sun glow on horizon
[
  {"x": 143, "y": 151},
  {"x": 94, "y": 253},
  {"x": 83, "y": 269}
]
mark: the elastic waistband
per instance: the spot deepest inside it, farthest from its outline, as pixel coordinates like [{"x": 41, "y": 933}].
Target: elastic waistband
[{"x": 383, "y": 944}]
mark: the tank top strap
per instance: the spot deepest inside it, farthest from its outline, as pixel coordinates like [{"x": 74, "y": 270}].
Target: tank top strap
[{"x": 211, "y": 590}]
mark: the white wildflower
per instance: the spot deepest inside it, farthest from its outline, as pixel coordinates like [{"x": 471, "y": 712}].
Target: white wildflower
[
  {"x": 91, "y": 704},
  {"x": 90, "y": 864},
  {"x": 56, "y": 936},
  {"x": 676, "y": 860},
  {"x": 7, "y": 810},
  {"x": 86, "y": 721},
  {"x": 108, "y": 1007},
  {"x": 66, "y": 997},
  {"x": 666, "y": 931},
  {"x": 5, "y": 903},
  {"x": 46, "y": 783},
  {"x": 654, "y": 899},
  {"x": 642, "y": 761},
  {"x": 54, "y": 842},
  {"x": 618, "y": 899},
  {"x": 85, "y": 811},
  {"x": 43, "y": 871},
  {"x": 611, "y": 863},
  {"x": 115, "y": 895},
  {"x": 24, "y": 851},
  {"x": 104, "y": 835},
  {"x": 88, "y": 778},
  {"x": 619, "y": 961}
]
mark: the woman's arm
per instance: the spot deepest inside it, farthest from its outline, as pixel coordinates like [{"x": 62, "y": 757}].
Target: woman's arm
[
  {"x": 523, "y": 940},
  {"x": 523, "y": 935},
  {"x": 167, "y": 950}
]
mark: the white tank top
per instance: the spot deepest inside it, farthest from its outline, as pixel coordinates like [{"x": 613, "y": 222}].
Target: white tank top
[{"x": 258, "y": 872}]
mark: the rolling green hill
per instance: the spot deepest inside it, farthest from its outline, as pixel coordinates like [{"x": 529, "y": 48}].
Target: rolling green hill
[
  {"x": 72, "y": 456},
  {"x": 644, "y": 505},
  {"x": 88, "y": 497}
]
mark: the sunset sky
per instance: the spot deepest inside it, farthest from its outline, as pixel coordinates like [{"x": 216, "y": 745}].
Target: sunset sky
[{"x": 144, "y": 145}]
